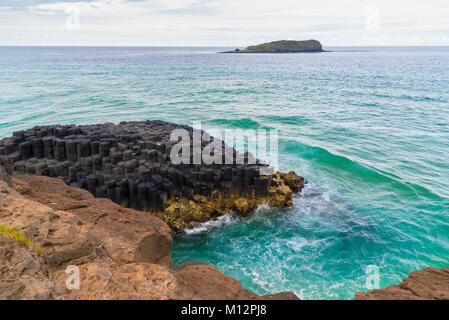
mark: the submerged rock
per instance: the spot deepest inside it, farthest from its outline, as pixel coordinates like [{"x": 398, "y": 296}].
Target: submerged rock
[{"x": 130, "y": 164}]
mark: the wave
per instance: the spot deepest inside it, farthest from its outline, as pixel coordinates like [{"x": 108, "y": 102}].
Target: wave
[
  {"x": 226, "y": 219},
  {"x": 244, "y": 123},
  {"x": 212, "y": 224},
  {"x": 291, "y": 120},
  {"x": 337, "y": 165},
  {"x": 344, "y": 167}
]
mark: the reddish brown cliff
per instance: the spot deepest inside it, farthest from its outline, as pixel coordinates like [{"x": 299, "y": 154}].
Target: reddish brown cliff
[{"x": 121, "y": 253}]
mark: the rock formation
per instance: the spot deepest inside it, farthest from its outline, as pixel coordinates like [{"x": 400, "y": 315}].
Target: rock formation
[
  {"x": 426, "y": 284},
  {"x": 283, "y": 46},
  {"x": 130, "y": 164},
  {"x": 121, "y": 253}
]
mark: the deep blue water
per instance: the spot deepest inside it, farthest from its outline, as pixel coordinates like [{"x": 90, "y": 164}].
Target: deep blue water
[{"x": 368, "y": 127}]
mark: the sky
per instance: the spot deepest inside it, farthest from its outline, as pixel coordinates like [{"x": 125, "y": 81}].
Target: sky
[{"x": 226, "y": 23}]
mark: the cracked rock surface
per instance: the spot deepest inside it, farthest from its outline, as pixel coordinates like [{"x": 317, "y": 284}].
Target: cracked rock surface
[{"x": 120, "y": 253}]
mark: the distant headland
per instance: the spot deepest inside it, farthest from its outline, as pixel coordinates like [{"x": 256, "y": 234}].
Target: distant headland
[{"x": 283, "y": 46}]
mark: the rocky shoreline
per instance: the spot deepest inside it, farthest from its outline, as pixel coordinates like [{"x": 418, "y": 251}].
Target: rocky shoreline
[
  {"x": 426, "y": 284},
  {"x": 130, "y": 164},
  {"x": 121, "y": 253},
  {"x": 106, "y": 199}
]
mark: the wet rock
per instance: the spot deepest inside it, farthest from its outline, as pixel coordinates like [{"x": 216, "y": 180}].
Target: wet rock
[{"x": 293, "y": 181}]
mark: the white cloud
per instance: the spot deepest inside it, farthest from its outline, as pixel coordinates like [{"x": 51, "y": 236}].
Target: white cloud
[{"x": 225, "y": 23}]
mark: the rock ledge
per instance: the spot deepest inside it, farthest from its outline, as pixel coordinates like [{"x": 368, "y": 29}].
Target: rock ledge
[
  {"x": 120, "y": 253},
  {"x": 130, "y": 164}
]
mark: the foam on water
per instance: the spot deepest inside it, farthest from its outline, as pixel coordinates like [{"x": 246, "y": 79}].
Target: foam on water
[{"x": 212, "y": 224}]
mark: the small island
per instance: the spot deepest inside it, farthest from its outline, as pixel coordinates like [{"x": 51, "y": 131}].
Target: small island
[{"x": 283, "y": 46}]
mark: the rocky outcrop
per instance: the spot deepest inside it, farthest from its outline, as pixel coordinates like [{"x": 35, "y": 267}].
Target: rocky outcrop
[
  {"x": 120, "y": 253},
  {"x": 283, "y": 46},
  {"x": 208, "y": 282},
  {"x": 426, "y": 284},
  {"x": 23, "y": 274},
  {"x": 5, "y": 171},
  {"x": 130, "y": 164},
  {"x": 127, "y": 235}
]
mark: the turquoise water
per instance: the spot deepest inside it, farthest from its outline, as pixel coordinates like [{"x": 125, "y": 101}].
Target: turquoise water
[{"x": 367, "y": 127}]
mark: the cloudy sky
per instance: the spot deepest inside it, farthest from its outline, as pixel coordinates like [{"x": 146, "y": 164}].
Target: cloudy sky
[{"x": 223, "y": 23}]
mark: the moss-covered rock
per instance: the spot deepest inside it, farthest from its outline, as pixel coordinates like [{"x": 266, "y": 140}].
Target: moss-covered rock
[{"x": 183, "y": 212}]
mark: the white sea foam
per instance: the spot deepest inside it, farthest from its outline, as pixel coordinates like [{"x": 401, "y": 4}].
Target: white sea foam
[
  {"x": 262, "y": 208},
  {"x": 224, "y": 220},
  {"x": 212, "y": 224}
]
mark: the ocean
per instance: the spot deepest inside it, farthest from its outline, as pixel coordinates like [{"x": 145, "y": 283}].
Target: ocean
[{"x": 368, "y": 127}]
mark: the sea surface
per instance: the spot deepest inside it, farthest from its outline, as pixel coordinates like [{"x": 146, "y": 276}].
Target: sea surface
[{"x": 368, "y": 128}]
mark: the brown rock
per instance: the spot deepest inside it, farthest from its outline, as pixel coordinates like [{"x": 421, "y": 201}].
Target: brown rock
[
  {"x": 5, "y": 180},
  {"x": 5, "y": 170},
  {"x": 23, "y": 274},
  {"x": 58, "y": 234},
  {"x": 121, "y": 253},
  {"x": 127, "y": 235},
  {"x": 287, "y": 295},
  {"x": 426, "y": 284},
  {"x": 292, "y": 180},
  {"x": 209, "y": 283},
  {"x": 132, "y": 281}
]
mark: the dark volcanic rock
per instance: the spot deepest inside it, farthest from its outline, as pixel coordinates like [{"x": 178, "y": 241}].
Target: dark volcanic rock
[
  {"x": 5, "y": 170},
  {"x": 130, "y": 164}
]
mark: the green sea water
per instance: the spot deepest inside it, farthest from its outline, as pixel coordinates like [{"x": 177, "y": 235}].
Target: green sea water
[{"x": 367, "y": 127}]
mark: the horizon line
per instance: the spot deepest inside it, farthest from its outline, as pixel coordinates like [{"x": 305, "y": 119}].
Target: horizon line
[{"x": 203, "y": 46}]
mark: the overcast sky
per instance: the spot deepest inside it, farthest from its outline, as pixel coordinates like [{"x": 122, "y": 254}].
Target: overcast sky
[{"x": 223, "y": 23}]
